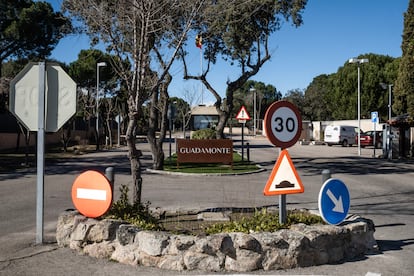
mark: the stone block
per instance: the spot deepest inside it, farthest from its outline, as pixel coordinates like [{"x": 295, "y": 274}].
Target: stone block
[
  {"x": 152, "y": 243},
  {"x": 102, "y": 250},
  {"x": 126, "y": 233}
]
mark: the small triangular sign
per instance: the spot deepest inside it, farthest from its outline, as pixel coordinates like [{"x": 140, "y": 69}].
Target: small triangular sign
[
  {"x": 283, "y": 179},
  {"x": 243, "y": 115}
]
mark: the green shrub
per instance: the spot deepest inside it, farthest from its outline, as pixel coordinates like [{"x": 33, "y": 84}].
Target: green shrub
[
  {"x": 263, "y": 221},
  {"x": 136, "y": 214},
  {"x": 206, "y": 133},
  {"x": 259, "y": 221}
]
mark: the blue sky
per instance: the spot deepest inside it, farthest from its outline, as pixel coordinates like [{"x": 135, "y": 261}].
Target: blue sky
[{"x": 333, "y": 32}]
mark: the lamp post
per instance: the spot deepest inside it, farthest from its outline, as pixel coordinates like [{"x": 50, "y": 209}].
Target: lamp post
[
  {"x": 359, "y": 61},
  {"x": 389, "y": 102},
  {"x": 254, "y": 110},
  {"x": 384, "y": 86},
  {"x": 170, "y": 117},
  {"x": 389, "y": 139},
  {"x": 99, "y": 64}
]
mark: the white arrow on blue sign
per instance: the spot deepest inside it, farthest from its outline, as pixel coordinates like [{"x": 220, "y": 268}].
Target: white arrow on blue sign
[
  {"x": 374, "y": 116},
  {"x": 334, "y": 201}
]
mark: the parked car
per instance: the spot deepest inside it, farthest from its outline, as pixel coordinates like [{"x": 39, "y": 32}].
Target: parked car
[
  {"x": 367, "y": 139},
  {"x": 340, "y": 135}
]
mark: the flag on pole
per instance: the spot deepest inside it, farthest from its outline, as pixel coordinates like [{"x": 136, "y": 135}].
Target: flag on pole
[{"x": 199, "y": 41}]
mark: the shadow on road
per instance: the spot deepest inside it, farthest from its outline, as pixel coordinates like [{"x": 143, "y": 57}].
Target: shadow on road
[
  {"x": 390, "y": 245},
  {"x": 352, "y": 165}
]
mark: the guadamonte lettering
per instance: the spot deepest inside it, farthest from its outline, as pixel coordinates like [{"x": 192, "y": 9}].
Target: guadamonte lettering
[{"x": 201, "y": 150}]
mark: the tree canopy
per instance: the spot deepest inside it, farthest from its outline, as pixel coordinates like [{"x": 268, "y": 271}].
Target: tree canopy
[
  {"x": 238, "y": 31},
  {"x": 334, "y": 96},
  {"x": 404, "y": 85},
  {"x": 30, "y": 29},
  {"x": 139, "y": 34}
]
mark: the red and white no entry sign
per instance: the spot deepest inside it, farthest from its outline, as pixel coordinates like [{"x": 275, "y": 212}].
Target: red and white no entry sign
[
  {"x": 92, "y": 194},
  {"x": 283, "y": 124}
]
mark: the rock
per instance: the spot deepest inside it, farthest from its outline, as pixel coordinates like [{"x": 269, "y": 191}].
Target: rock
[
  {"x": 326, "y": 242},
  {"x": 287, "y": 251},
  {"x": 246, "y": 260},
  {"x": 152, "y": 243},
  {"x": 81, "y": 231},
  {"x": 196, "y": 260},
  {"x": 245, "y": 241},
  {"x": 212, "y": 244},
  {"x": 362, "y": 237},
  {"x": 300, "y": 246},
  {"x": 104, "y": 230},
  {"x": 64, "y": 227},
  {"x": 126, "y": 254},
  {"x": 126, "y": 233},
  {"x": 148, "y": 260},
  {"x": 180, "y": 243},
  {"x": 172, "y": 262},
  {"x": 101, "y": 250}
]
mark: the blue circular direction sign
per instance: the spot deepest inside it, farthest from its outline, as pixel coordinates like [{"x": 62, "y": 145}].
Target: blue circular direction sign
[{"x": 334, "y": 201}]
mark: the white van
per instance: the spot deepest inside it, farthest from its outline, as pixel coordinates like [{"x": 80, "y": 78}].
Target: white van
[{"x": 340, "y": 135}]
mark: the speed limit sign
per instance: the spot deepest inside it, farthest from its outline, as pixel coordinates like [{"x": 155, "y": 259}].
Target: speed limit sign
[{"x": 283, "y": 124}]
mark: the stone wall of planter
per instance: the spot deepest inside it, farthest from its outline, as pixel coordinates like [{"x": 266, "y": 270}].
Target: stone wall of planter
[{"x": 299, "y": 246}]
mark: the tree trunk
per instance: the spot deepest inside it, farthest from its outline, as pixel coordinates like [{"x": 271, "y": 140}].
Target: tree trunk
[
  {"x": 66, "y": 135},
  {"x": 134, "y": 155},
  {"x": 108, "y": 128},
  {"x": 223, "y": 117},
  {"x": 27, "y": 142},
  {"x": 158, "y": 109},
  {"x": 26, "y": 134},
  {"x": 158, "y": 117},
  {"x": 224, "y": 111},
  {"x": 97, "y": 139}
]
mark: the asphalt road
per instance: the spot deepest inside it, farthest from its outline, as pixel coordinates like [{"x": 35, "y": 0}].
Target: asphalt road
[{"x": 381, "y": 190}]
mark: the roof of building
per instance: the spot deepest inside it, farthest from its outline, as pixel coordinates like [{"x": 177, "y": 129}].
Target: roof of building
[{"x": 204, "y": 110}]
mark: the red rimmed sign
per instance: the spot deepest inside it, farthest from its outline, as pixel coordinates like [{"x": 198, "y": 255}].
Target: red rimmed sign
[{"x": 283, "y": 124}]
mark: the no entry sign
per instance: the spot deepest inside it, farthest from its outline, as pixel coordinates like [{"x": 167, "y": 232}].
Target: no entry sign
[{"x": 92, "y": 194}]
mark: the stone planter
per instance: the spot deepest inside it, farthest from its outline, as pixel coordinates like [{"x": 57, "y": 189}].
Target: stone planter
[{"x": 299, "y": 246}]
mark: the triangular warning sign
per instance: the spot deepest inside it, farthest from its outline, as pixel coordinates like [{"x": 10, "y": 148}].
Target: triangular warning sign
[
  {"x": 243, "y": 115},
  {"x": 283, "y": 179}
]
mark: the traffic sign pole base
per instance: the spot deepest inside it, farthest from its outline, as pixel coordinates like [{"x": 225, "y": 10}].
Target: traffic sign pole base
[{"x": 282, "y": 209}]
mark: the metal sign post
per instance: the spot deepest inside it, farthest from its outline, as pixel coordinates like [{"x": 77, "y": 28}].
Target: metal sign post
[
  {"x": 40, "y": 155},
  {"x": 243, "y": 122},
  {"x": 243, "y": 116},
  {"x": 242, "y": 132},
  {"x": 282, "y": 205},
  {"x": 283, "y": 125},
  {"x": 283, "y": 180},
  {"x": 50, "y": 94},
  {"x": 374, "y": 119},
  {"x": 118, "y": 120}
]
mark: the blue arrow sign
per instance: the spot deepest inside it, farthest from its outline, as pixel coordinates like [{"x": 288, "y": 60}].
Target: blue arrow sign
[
  {"x": 374, "y": 116},
  {"x": 334, "y": 201}
]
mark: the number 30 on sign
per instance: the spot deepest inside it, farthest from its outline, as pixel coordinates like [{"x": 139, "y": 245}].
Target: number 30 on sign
[{"x": 283, "y": 124}]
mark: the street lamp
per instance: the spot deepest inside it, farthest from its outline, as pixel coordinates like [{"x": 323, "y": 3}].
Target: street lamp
[
  {"x": 384, "y": 86},
  {"x": 170, "y": 117},
  {"x": 359, "y": 61},
  {"x": 254, "y": 110},
  {"x": 99, "y": 64},
  {"x": 389, "y": 139}
]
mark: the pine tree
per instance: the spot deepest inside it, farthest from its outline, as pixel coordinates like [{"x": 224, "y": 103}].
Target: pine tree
[{"x": 404, "y": 85}]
